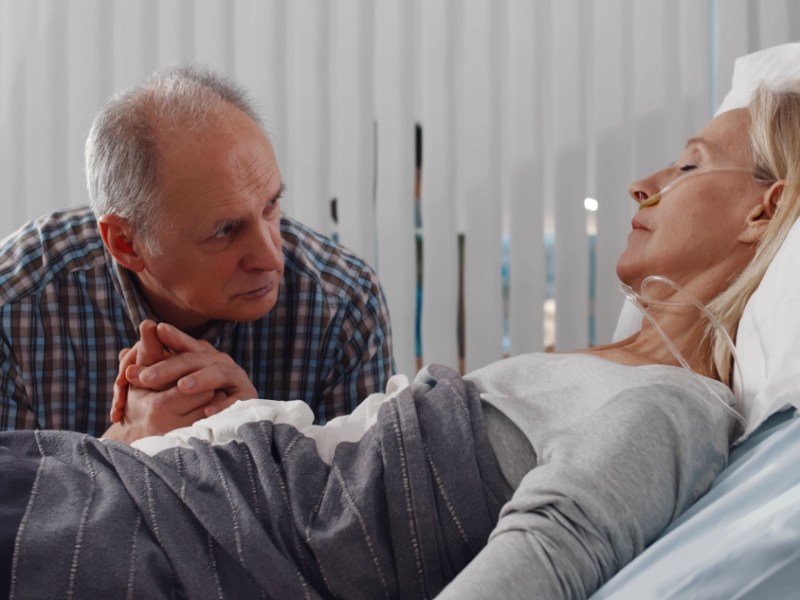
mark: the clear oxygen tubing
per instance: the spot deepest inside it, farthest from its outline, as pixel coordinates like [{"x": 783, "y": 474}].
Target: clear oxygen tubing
[
  {"x": 641, "y": 300},
  {"x": 656, "y": 198}
]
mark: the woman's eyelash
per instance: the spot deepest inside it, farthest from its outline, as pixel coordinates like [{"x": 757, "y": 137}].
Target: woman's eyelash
[{"x": 685, "y": 168}]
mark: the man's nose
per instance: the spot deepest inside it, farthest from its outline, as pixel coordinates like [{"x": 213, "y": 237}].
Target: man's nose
[{"x": 264, "y": 252}]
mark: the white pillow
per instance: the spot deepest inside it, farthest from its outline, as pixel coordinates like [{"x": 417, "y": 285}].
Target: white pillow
[
  {"x": 768, "y": 339},
  {"x": 629, "y": 322},
  {"x": 771, "y": 66}
]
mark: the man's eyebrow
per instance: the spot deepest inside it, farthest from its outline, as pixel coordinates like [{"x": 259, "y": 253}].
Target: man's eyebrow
[
  {"x": 281, "y": 191},
  {"x": 205, "y": 226}
]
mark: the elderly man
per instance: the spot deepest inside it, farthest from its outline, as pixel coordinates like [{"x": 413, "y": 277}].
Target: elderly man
[{"x": 185, "y": 227}]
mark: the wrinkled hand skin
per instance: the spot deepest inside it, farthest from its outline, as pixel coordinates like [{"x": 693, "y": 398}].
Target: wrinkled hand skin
[{"x": 170, "y": 380}]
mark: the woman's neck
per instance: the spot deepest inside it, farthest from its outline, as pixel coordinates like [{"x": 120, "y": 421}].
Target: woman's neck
[{"x": 685, "y": 328}]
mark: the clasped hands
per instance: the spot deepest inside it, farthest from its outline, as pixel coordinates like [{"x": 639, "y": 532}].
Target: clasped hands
[{"x": 168, "y": 380}]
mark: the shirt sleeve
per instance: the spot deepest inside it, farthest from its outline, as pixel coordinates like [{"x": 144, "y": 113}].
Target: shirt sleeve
[
  {"x": 16, "y": 411},
  {"x": 602, "y": 490},
  {"x": 365, "y": 362}
]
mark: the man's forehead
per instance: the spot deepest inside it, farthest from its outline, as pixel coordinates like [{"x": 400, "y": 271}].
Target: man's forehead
[
  {"x": 218, "y": 172},
  {"x": 181, "y": 132}
]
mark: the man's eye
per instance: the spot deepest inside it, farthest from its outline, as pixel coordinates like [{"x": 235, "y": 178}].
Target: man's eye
[
  {"x": 271, "y": 210},
  {"x": 222, "y": 232}
]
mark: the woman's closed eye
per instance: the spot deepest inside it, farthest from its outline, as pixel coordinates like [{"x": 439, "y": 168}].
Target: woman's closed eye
[{"x": 687, "y": 168}]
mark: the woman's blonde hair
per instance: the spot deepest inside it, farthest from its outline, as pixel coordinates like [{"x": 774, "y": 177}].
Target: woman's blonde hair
[{"x": 775, "y": 142}]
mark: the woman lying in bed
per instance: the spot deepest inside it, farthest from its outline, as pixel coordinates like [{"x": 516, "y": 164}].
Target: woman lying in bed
[{"x": 538, "y": 476}]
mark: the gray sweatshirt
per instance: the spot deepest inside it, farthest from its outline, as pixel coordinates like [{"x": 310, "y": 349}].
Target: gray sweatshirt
[{"x": 618, "y": 453}]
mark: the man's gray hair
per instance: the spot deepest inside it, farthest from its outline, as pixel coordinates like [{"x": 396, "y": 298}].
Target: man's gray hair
[{"x": 122, "y": 147}]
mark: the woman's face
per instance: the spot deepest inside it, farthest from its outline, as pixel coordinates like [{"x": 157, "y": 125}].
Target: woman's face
[{"x": 694, "y": 234}]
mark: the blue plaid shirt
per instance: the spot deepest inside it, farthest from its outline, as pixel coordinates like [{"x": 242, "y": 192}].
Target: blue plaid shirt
[{"x": 67, "y": 309}]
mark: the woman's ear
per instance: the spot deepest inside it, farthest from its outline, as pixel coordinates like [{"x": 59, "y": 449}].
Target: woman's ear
[
  {"x": 759, "y": 217},
  {"x": 117, "y": 236}
]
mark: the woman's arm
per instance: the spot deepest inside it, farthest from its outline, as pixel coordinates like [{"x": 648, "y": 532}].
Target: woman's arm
[{"x": 603, "y": 490}]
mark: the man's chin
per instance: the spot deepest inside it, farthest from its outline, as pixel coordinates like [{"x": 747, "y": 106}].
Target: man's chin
[{"x": 250, "y": 309}]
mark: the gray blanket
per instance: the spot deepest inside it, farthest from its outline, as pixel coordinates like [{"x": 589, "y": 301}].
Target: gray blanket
[{"x": 396, "y": 515}]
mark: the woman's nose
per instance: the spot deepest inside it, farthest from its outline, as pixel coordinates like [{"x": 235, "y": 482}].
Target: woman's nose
[
  {"x": 642, "y": 189},
  {"x": 637, "y": 194}
]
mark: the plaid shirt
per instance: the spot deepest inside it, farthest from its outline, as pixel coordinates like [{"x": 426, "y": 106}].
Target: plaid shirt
[{"x": 67, "y": 309}]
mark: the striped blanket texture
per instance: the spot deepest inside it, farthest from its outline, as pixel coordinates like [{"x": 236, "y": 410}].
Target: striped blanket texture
[{"x": 395, "y": 514}]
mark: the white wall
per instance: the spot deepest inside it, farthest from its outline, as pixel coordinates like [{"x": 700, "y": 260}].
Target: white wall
[{"x": 526, "y": 107}]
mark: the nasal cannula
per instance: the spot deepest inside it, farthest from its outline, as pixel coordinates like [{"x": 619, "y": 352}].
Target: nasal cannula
[
  {"x": 656, "y": 198},
  {"x": 642, "y": 298}
]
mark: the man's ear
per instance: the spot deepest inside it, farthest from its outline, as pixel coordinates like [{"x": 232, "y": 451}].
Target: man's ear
[
  {"x": 759, "y": 217},
  {"x": 117, "y": 236}
]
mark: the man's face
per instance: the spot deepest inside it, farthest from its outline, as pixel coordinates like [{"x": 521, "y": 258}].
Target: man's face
[{"x": 219, "y": 234}]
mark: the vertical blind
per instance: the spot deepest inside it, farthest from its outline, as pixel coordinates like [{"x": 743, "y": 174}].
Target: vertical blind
[{"x": 450, "y": 143}]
